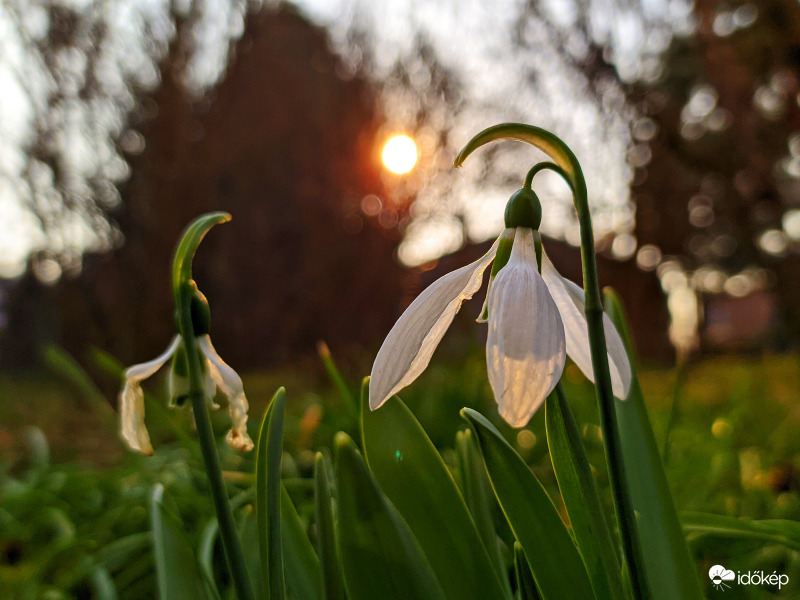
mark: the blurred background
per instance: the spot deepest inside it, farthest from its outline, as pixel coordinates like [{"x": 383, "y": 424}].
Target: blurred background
[
  {"x": 122, "y": 120},
  {"x": 328, "y": 129}
]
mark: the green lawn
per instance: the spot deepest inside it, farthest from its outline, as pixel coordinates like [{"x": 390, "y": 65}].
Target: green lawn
[{"x": 74, "y": 504}]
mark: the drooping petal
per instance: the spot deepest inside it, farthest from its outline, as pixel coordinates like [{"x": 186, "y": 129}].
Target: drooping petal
[
  {"x": 229, "y": 382},
  {"x": 505, "y": 242},
  {"x": 571, "y": 301},
  {"x": 525, "y": 350},
  {"x": 134, "y": 432},
  {"x": 483, "y": 316},
  {"x": 210, "y": 385},
  {"x": 408, "y": 348},
  {"x": 144, "y": 370},
  {"x": 131, "y": 400}
]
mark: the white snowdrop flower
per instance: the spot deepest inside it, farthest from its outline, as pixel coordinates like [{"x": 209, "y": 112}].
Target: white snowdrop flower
[
  {"x": 216, "y": 375},
  {"x": 535, "y": 318}
]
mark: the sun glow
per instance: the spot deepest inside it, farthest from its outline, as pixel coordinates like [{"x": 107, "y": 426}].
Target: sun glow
[{"x": 399, "y": 154}]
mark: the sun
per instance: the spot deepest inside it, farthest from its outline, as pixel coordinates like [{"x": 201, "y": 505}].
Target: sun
[{"x": 399, "y": 154}]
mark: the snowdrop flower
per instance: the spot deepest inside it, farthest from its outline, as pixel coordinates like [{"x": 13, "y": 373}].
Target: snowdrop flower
[
  {"x": 216, "y": 374},
  {"x": 535, "y": 318}
]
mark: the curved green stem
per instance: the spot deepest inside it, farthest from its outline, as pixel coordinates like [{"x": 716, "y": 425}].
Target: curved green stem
[
  {"x": 568, "y": 167},
  {"x": 541, "y": 167},
  {"x": 183, "y": 289}
]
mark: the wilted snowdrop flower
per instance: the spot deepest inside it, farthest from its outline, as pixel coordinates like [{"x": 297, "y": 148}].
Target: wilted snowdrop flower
[
  {"x": 217, "y": 375},
  {"x": 535, "y": 317}
]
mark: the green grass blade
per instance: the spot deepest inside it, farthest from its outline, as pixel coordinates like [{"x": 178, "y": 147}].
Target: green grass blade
[
  {"x": 670, "y": 568},
  {"x": 205, "y": 556},
  {"x": 552, "y": 556},
  {"x": 248, "y": 536},
  {"x": 481, "y": 502},
  {"x": 205, "y": 549},
  {"x": 326, "y": 538},
  {"x": 103, "y": 585},
  {"x": 581, "y": 499},
  {"x": 268, "y": 494},
  {"x": 380, "y": 557},
  {"x": 300, "y": 562},
  {"x": 120, "y": 552},
  {"x": 770, "y": 531},
  {"x": 177, "y": 571},
  {"x": 526, "y": 586},
  {"x": 62, "y": 363},
  {"x": 411, "y": 473},
  {"x": 336, "y": 378}
]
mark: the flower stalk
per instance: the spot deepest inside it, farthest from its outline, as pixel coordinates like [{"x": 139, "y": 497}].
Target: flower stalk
[
  {"x": 566, "y": 164},
  {"x": 184, "y": 292}
]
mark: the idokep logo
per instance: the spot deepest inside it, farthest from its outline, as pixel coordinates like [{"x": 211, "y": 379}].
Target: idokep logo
[{"x": 720, "y": 576}]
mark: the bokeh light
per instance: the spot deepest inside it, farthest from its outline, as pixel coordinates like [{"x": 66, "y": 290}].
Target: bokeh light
[{"x": 399, "y": 154}]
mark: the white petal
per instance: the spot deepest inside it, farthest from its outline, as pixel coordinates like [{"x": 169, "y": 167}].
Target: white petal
[
  {"x": 508, "y": 234},
  {"x": 525, "y": 350},
  {"x": 408, "y": 348},
  {"x": 131, "y": 400},
  {"x": 229, "y": 382},
  {"x": 134, "y": 432},
  {"x": 210, "y": 385},
  {"x": 142, "y": 371},
  {"x": 571, "y": 301},
  {"x": 483, "y": 316},
  {"x": 225, "y": 378}
]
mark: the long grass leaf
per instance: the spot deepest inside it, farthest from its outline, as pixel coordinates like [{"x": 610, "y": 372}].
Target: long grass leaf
[
  {"x": 552, "y": 556},
  {"x": 581, "y": 499},
  {"x": 480, "y": 500},
  {"x": 326, "y": 538},
  {"x": 380, "y": 557},
  {"x": 300, "y": 562},
  {"x": 268, "y": 497},
  {"x": 670, "y": 568},
  {"x": 769, "y": 531},
  {"x": 409, "y": 470},
  {"x": 526, "y": 586},
  {"x": 177, "y": 571}
]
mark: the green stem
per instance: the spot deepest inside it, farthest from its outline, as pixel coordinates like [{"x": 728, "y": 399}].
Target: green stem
[
  {"x": 540, "y": 167},
  {"x": 570, "y": 169},
  {"x": 183, "y": 291},
  {"x": 681, "y": 375}
]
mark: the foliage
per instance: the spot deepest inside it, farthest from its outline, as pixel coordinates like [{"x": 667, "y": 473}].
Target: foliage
[
  {"x": 390, "y": 521},
  {"x": 69, "y": 530}
]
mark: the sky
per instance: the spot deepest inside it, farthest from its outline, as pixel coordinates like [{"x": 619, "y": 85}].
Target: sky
[{"x": 497, "y": 81}]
